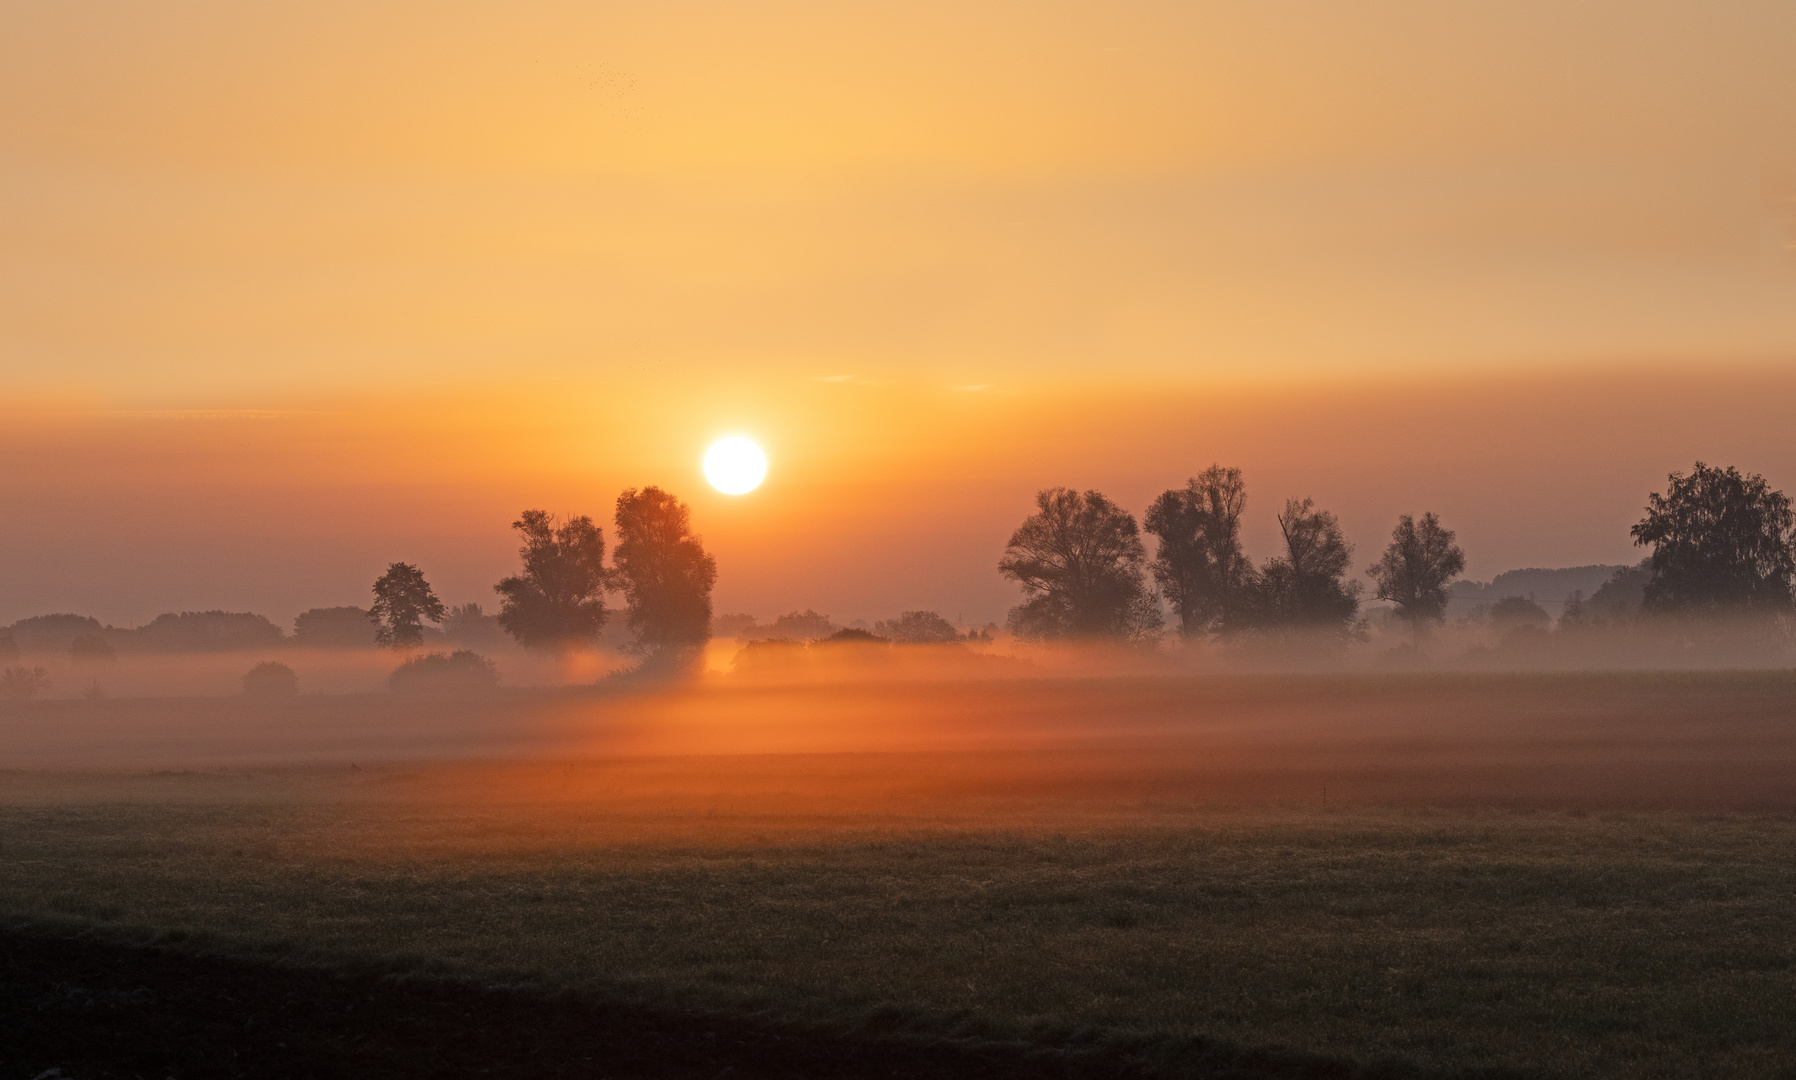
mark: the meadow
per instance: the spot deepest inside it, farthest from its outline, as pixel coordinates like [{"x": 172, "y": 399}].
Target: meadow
[{"x": 1563, "y": 875}]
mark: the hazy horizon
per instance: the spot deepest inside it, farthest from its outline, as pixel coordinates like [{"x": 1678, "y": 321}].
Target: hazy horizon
[{"x": 295, "y": 294}]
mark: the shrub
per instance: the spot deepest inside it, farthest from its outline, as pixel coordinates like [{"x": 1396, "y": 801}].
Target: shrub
[
  {"x": 804, "y": 625},
  {"x": 438, "y": 674},
  {"x": 52, "y": 633},
  {"x": 852, "y": 635},
  {"x": 91, "y": 647},
  {"x": 23, "y": 684},
  {"x": 206, "y": 631},
  {"x": 917, "y": 628},
  {"x": 334, "y": 628},
  {"x": 270, "y": 679},
  {"x": 1518, "y": 611}
]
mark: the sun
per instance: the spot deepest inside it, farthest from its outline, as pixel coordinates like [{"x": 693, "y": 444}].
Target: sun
[{"x": 735, "y": 466}]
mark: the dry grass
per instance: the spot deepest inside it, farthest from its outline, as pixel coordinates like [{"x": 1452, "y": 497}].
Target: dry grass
[
  {"x": 1585, "y": 874},
  {"x": 1611, "y": 944}
]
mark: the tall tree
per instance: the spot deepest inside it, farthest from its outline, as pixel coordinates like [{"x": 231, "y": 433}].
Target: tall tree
[
  {"x": 1721, "y": 542},
  {"x": 1420, "y": 562},
  {"x": 1305, "y": 587},
  {"x": 1080, "y": 561},
  {"x": 664, "y": 571},
  {"x": 1200, "y": 565},
  {"x": 559, "y": 599},
  {"x": 402, "y": 601}
]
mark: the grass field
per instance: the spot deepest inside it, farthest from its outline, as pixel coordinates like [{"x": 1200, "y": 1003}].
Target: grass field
[{"x": 1029, "y": 891}]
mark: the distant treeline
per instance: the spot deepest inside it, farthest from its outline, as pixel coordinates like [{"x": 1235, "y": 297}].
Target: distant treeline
[
  {"x": 228, "y": 631},
  {"x": 1722, "y": 544}
]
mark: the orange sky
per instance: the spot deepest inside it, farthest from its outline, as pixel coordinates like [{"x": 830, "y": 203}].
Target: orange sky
[{"x": 287, "y": 293}]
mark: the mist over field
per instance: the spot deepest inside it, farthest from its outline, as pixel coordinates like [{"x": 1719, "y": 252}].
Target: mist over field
[{"x": 978, "y": 541}]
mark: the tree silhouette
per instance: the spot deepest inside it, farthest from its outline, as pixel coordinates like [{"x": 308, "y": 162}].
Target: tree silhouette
[
  {"x": 917, "y": 628},
  {"x": 1523, "y": 611},
  {"x": 1080, "y": 561},
  {"x": 23, "y": 684},
  {"x": 270, "y": 679},
  {"x": 90, "y": 648},
  {"x": 333, "y": 627},
  {"x": 664, "y": 571},
  {"x": 559, "y": 599},
  {"x": 1304, "y": 587},
  {"x": 402, "y": 601},
  {"x": 1721, "y": 541},
  {"x": 1417, "y": 567},
  {"x": 806, "y": 625},
  {"x": 436, "y": 674},
  {"x": 1200, "y": 566},
  {"x": 1622, "y": 595}
]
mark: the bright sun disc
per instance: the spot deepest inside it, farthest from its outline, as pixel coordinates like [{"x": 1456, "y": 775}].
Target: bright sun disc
[{"x": 735, "y": 466}]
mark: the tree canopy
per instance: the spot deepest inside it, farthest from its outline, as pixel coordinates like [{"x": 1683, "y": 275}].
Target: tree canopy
[
  {"x": 917, "y": 628},
  {"x": 664, "y": 571},
  {"x": 1417, "y": 567},
  {"x": 402, "y": 601},
  {"x": 1080, "y": 561},
  {"x": 559, "y": 598},
  {"x": 1200, "y": 565},
  {"x": 333, "y": 628},
  {"x": 1722, "y": 541},
  {"x": 1305, "y": 587}
]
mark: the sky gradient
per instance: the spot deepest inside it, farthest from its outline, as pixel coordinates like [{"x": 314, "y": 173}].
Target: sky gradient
[{"x": 291, "y": 292}]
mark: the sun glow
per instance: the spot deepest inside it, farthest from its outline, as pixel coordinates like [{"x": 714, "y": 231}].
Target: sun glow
[{"x": 735, "y": 466}]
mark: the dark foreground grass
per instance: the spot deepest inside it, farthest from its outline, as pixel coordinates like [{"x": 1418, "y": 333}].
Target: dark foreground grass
[{"x": 1615, "y": 944}]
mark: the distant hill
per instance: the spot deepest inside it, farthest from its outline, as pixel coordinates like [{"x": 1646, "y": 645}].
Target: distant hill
[{"x": 1549, "y": 588}]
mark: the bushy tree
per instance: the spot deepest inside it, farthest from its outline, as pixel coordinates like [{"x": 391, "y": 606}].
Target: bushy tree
[
  {"x": 345, "y": 627},
  {"x": 806, "y": 625},
  {"x": 270, "y": 679},
  {"x": 559, "y": 599},
  {"x": 855, "y": 636},
  {"x": 917, "y": 628},
  {"x": 1200, "y": 565},
  {"x": 664, "y": 571},
  {"x": 402, "y": 601},
  {"x": 1421, "y": 561},
  {"x": 1080, "y": 562},
  {"x": 1721, "y": 542},
  {"x": 1622, "y": 595},
  {"x": 22, "y": 683},
  {"x": 1305, "y": 588},
  {"x": 445, "y": 674},
  {"x": 1523, "y": 611},
  {"x": 467, "y": 624},
  {"x": 91, "y": 648},
  {"x": 206, "y": 631},
  {"x": 52, "y": 633}
]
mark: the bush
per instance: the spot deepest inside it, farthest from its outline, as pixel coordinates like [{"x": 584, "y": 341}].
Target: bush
[
  {"x": 918, "y": 628},
  {"x": 852, "y": 636},
  {"x": 206, "y": 631},
  {"x": 23, "y": 684},
  {"x": 1518, "y": 611},
  {"x": 271, "y": 679},
  {"x": 334, "y": 628},
  {"x": 437, "y": 674},
  {"x": 52, "y": 633},
  {"x": 91, "y": 647}
]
